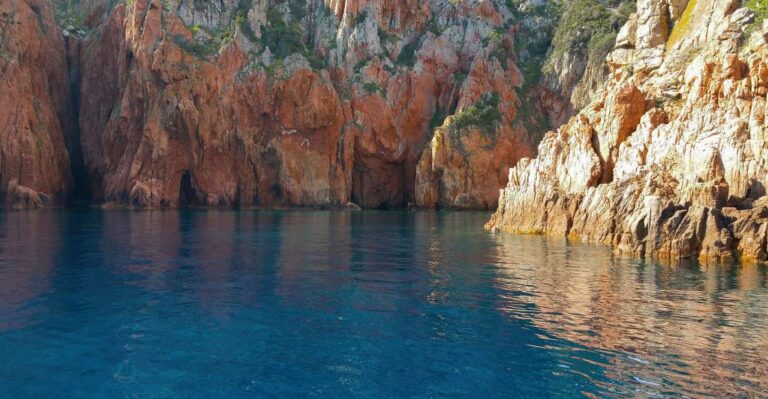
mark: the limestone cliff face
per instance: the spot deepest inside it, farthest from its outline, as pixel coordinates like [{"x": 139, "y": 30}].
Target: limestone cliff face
[
  {"x": 670, "y": 160},
  {"x": 34, "y": 103}
]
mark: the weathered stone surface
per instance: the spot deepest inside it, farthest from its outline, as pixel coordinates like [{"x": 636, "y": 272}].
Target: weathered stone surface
[
  {"x": 271, "y": 103},
  {"x": 672, "y": 164},
  {"x": 339, "y": 102},
  {"x": 461, "y": 165},
  {"x": 34, "y": 101},
  {"x": 163, "y": 125}
]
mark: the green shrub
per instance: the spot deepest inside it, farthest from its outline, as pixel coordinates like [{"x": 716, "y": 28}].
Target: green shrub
[
  {"x": 407, "y": 55},
  {"x": 218, "y": 37},
  {"x": 282, "y": 38},
  {"x": 533, "y": 41},
  {"x": 286, "y": 38},
  {"x": 760, "y": 7},
  {"x": 373, "y": 87},
  {"x": 588, "y": 27},
  {"x": 198, "y": 49},
  {"x": 241, "y": 19},
  {"x": 484, "y": 114},
  {"x": 65, "y": 13},
  {"x": 438, "y": 118},
  {"x": 298, "y": 9}
]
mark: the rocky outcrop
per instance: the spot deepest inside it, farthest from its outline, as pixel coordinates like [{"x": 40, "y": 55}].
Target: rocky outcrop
[
  {"x": 301, "y": 103},
  {"x": 575, "y": 69},
  {"x": 469, "y": 154},
  {"x": 272, "y": 103},
  {"x": 669, "y": 162},
  {"x": 34, "y": 103},
  {"x": 389, "y": 103},
  {"x": 162, "y": 127}
]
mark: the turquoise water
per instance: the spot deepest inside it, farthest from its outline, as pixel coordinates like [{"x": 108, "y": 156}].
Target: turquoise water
[{"x": 359, "y": 305}]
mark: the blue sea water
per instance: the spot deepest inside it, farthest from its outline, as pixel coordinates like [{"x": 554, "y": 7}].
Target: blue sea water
[{"x": 252, "y": 304}]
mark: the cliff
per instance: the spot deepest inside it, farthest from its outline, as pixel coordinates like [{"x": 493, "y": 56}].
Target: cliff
[
  {"x": 669, "y": 161},
  {"x": 270, "y": 103},
  {"x": 266, "y": 103},
  {"x": 34, "y": 106}
]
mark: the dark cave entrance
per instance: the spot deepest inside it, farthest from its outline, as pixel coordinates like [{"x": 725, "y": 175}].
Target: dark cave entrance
[
  {"x": 187, "y": 192},
  {"x": 378, "y": 184}
]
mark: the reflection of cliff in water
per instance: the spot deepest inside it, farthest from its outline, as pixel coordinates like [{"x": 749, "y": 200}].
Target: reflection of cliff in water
[
  {"x": 20, "y": 284},
  {"x": 702, "y": 324}
]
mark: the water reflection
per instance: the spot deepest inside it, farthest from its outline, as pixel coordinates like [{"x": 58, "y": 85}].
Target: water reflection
[
  {"x": 359, "y": 304},
  {"x": 18, "y": 286},
  {"x": 685, "y": 329},
  {"x": 141, "y": 246}
]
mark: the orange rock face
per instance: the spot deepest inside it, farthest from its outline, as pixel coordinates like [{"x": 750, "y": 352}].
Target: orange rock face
[
  {"x": 462, "y": 164},
  {"x": 164, "y": 128},
  {"x": 163, "y": 125},
  {"x": 154, "y": 104},
  {"x": 34, "y": 104}
]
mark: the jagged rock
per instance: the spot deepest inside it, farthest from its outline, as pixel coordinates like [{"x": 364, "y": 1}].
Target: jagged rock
[
  {"x": 575, "y": 69},
  {"x": 462, "y": 164},
  {"x": 209, "y": 14},
  {"x": 260, "y": 103},
  {"x": 626, "y": 38},
  {"x": 682, "y": 175},
  {"x": 750, "y": 229},
  {"x": 20, "y": 197},
  {"x": 652, "y": 24},
  {"x": 168, "y": 121}
]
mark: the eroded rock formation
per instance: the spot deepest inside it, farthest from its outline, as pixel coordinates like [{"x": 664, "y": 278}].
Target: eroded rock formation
[
  {"x": 670, "y": 161},
  {"x": 150, "y": 103},
  {"x": 34, "y": 106},
  {"x": 296, "y": 103}
]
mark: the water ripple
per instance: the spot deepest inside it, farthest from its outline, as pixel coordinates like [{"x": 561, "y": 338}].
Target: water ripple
[{"x": 372, "y": 304}]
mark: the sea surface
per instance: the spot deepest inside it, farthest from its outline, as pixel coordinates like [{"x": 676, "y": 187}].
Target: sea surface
[{"x": 252, "y": 304}]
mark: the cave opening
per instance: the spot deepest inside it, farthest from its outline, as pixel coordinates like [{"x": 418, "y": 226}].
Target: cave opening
[
  {"x": 379, "y": 184},
  {"x": 187, "y": 192}
]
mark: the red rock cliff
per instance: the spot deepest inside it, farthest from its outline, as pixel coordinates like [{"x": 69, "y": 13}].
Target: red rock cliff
[
  {"x": 273, "y": 103},
  {"x": 34, "y": 106},
  {"x": 295, "y": 103}
]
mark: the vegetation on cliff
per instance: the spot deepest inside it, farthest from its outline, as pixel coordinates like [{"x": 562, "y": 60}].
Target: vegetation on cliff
[
  {"x": 760, "y": 7},
  {"x": 380, "y": 78},
  {"x": 484, "y": 114},
  {"x": 588, "y": 28}
]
